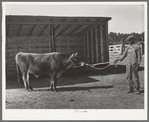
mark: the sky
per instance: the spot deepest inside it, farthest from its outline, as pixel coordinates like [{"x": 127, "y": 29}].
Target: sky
[{"x": 126, "y": 17}]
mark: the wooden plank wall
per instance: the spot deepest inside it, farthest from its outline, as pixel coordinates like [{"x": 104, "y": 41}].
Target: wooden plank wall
[
  {"x": 92, "y": 47},
  {"x": 96, "y": 43},
  {"x": 41, "y": 45}
]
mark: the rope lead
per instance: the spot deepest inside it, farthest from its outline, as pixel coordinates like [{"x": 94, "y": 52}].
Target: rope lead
[
  {"x": 99, "y": 68},
  {"x": 93, "y": 65}
]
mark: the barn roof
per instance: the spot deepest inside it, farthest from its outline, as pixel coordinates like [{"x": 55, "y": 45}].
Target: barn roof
[{"x": 40, "y": 25}]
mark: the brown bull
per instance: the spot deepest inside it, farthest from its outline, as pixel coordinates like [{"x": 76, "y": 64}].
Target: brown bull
[{"x": 51, "y": 64}]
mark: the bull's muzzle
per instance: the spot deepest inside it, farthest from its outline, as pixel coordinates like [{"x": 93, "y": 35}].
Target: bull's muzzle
[{"x": 82, "y": 64}]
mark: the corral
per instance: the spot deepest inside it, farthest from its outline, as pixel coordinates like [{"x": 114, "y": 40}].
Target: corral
[{"x": 81, "y": 88}]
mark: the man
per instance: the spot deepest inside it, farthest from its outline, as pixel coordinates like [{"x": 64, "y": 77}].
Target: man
[{"x": 133, "y": 52}]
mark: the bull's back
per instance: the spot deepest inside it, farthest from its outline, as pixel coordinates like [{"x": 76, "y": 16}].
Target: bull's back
[
  {"x": 48, "y": 61},
  {"x": 40, "y": 62}
]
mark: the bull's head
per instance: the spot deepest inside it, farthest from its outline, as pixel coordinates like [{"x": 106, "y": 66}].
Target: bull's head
[{"x": 75, "y": 60}]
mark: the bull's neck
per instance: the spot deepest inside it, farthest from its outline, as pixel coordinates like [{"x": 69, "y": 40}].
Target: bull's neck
[{"x": 67, "y": 62}]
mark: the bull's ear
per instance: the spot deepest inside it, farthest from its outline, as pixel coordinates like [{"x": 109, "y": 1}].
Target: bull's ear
[{"x": 72, "y": 55}]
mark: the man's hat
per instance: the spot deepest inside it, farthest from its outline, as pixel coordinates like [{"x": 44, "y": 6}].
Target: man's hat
[{"x": 130, "y": 37}]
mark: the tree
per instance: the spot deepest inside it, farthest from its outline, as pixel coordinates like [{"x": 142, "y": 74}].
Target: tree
[{"x": 115, "y": 38}]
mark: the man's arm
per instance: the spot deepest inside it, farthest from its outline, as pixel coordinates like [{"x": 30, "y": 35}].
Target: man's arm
[
  {"x": 138, "y": 52},
  {"x": 123, "y": 56}
]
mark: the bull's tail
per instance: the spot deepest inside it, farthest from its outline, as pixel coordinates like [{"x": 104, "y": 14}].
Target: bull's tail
[{"x": 19, "y": 76}]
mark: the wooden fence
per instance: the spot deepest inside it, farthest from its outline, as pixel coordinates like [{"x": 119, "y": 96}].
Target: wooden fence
[{"x": 116, "y": 49}]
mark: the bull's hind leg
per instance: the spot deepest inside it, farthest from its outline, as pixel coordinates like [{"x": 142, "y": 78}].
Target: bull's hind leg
[
  {"x": 53, "y": 82},
  {"x": 24, "y": 80},
  {"x": 19, "y": 76},
  {"x": 28, "y": 82}
]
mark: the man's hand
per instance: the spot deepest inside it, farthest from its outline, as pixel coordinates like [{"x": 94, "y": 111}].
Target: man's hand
[{"x": 115, "y": 61}]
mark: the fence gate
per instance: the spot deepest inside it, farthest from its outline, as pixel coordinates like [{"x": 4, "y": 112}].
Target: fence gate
[{"x": 116, "y": 49}]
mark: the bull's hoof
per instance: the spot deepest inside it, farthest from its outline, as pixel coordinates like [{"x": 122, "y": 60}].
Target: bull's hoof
[
  {"x": 30, "y": 89},
  {"x": 53, "y": 90}
]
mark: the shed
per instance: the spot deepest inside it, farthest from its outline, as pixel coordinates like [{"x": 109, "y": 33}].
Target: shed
[{"x": 44, "y": 34}]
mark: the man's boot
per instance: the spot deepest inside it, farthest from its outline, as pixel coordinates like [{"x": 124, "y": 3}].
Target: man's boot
[{"x": 130, "y": 90}]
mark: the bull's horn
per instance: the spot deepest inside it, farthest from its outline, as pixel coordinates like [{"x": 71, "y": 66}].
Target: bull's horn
[{"x": 76, "y": 54}]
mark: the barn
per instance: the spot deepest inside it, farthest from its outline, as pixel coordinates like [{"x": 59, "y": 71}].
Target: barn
[{"x": 44, "y": 34}]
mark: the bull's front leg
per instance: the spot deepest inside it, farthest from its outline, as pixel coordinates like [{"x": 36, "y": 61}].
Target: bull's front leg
[{"x": 53, "y": 82}]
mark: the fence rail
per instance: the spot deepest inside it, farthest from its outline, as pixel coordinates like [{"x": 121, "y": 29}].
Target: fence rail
[{"x": 116, "y": 49}]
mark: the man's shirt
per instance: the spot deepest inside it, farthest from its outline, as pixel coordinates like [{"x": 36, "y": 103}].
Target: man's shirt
[{"x": 133, "y": 53}]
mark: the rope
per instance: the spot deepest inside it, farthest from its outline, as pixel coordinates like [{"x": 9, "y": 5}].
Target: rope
[
  {"x": 93, "y": 65},
  {"x": 101, "y": 63},
  {"x": 98, "y": 68}
]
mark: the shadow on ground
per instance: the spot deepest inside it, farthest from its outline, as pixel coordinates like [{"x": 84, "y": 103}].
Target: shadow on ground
[
  {"x": 44, "y": 81},
  {"x": 75, "y": 88},
  {"x": 91, "y": 71},
  {"x": 141, "y": 91},
  {"x": 86, "y": 71},
  {"x": 83, "y": 88},
  {"x": 71, "y": 77}
]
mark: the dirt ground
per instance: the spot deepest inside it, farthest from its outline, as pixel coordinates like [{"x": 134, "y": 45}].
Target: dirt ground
[{"x": 82, "y": 88}]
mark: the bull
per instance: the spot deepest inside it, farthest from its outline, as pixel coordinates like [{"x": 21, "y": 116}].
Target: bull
[{"x": 51, "y": 64}]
